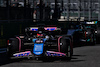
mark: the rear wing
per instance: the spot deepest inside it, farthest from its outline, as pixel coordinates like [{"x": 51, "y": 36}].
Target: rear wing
[
  {"x": 90, "y": 23},
  {"x": 45, "y": 28}
]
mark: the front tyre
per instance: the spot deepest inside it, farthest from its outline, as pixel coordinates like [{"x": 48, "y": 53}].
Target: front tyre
[
  {"x": 13, "y": 47},
  {"x": 66, "y": 48}
]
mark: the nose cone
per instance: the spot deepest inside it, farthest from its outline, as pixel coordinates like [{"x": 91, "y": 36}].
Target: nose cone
[
  {"x": 37, "y": 53},
  {"x": 38, "y": 49}
]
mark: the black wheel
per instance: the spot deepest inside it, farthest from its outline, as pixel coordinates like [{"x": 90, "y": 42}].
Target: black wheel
[
  {"x": 13, "y": 46},
  {"x": 65, "y": 48},
  {"x": 91, "y": 35},
  {"x": 98, "y": 35},
  {"x": 94, "y": 40}
]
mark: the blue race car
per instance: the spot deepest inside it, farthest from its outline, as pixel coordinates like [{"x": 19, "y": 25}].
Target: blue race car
[{"x": 41, "y": 41}]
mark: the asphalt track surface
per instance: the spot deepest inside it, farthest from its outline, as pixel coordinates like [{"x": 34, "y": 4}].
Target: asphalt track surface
[{"x": 85, "y": 56}]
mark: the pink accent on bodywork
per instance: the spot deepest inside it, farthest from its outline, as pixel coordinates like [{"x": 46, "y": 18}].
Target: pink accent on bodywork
[
  {"x": 23, "y": 53},
  {"x": 59, "y": 43},
  {"x": 50, "y": 28},
  {"x": 19, "y": 43},
  {"x": 56, "y": 52}
]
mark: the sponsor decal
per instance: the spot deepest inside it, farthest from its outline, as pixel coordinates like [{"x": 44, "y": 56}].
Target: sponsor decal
[
  {"x": 93, "y": 22},
  {"x": 52, "y": 53},
  {"x": 34, "y": 29},
  {"x": 22, "y": 54},
  {"x": 50, "y": 28}
]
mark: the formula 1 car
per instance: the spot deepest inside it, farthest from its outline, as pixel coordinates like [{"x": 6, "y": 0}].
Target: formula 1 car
[
  {"x": 83, "y": 32},
  {"x": 41, "y": 41},
  {"x": 90, "y": 31}
]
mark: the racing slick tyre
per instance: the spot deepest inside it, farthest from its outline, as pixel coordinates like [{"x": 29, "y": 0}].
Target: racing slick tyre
[
  {"x": 65, "y": 48},
  {"x": 92, "y": 37},
  {"x": 98, "y": 35},
  {"x": 13, "y": 46},
  {"x": 94, "y": 41}
]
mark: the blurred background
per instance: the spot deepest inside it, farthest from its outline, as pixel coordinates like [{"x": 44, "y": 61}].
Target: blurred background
[{"x": 64, "y": 10}]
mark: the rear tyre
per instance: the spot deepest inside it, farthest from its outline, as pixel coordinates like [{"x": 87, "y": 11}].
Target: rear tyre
[
  {"x": 93, "y": 40},
  {"x": 98, "y": 35}
]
